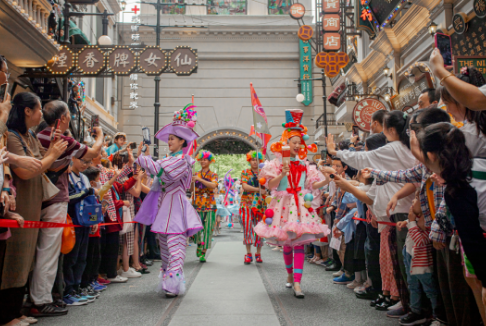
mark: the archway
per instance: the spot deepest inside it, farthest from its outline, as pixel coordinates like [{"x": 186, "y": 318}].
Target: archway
[{"x": 227, "y": 141}]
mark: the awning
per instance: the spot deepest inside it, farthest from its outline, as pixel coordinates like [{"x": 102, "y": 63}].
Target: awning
[{"x": 79, "y": 36}]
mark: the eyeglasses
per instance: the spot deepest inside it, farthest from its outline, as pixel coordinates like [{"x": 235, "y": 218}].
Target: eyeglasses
[{"x": 85, "y": 162}]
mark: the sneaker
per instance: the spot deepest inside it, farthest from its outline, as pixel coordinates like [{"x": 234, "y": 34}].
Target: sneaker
[
  {"x": 98, "y": 287},
  {"x": 438, "y": 322},
  {"x": 103, "y": 281},
  {"x": 386, "y": 304},
  {"x": 397, "y": 313},
  {"x": 338, "y": 273},
  {"x": 248, "y": 259},
  {"x": 343, "y": 279},
  {"x": 258, "y": 258},
  {"x": 118, "y": 279},
  {"x": 89, "y": 292},
  {"x": 367, "y": 294},
  {"x": 74, "y": 300},
  {"x": 131, "y": 273},
  {"x": 202, "y": 259},
  {"x": 362, "y": 288},
  {"x": 47, "y": 310},
  {"x": 397, "y": 306},
  {"x": 381, "y": 298},
  {"x": 412, "y": 319},
  {"x": 276, "y": 249},
  {"x": 86, "y": 296},
  {"x": 354, "y": 284}
]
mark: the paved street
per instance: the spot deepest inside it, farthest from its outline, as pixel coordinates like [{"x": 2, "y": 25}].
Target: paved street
[{"x": 224, "y": 291}]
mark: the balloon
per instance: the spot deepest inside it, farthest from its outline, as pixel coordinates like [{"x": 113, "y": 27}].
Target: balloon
[
  {"x": 307, "y": 204},
  {"x": 191, "y": 124},
  {"x": 310, "y": 209},
  {"x": 305, "y": 137},
  {"x": 268, "y": 200},
  {"x": 269, "y": 212},
  {"x": 262, "y": 181},
  {"x": 230, "y": 225},
  {"x": 269, "y": 221},
  {"x": 308, "y": 197},
  {"x": 261, "y": 165}
]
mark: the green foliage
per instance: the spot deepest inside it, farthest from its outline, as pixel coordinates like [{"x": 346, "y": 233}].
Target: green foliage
[{"x": 225, "y": 162}]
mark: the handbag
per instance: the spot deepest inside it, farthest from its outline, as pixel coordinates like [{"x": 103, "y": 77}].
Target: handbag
[
  {"x": 49, "y": 190},
  {"x": 88, "y": 210},
  {"x": 127, "y": 219},
  {"x": 68, "y": 237}
]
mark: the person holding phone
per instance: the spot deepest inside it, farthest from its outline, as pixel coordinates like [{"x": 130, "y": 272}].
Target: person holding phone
[
  {"x": 468, "y": 95},
  {"x": 119, "y": 140}
]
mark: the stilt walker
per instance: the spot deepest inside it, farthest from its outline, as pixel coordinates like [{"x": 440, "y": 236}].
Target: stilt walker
[
  {"x": 290, "y": 220},
  {"x": 166, "y": 206},
  {"x": 204, "y": 202},
  {"x": 252, "y": 206}
]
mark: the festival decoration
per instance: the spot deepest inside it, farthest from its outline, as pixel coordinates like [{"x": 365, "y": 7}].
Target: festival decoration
[{"x": 305, "y": 32}]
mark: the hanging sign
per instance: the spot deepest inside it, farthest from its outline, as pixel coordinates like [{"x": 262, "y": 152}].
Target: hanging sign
[
  {"x": 297, "y": 11},
  {"x": 63, "y": 63},
  {"x": 478, "y": 62},
  {"x": 122, "y": 60},
  {"x": 183, "y": 60},
  {"x": 153, "y": 60},
  {"x": 331, "y": 22},
  {"x": 331, "y": 62},
  {"x": 305, "y": 71},
  {"x": 332, "y": 41},
  {"x": 330, "y": 6},
  {"x": 91, "y": 60},
  {"x": 363, "y": 110},
  {"x": 408, "y": 94},
  {"x": 305, "y": 32}
]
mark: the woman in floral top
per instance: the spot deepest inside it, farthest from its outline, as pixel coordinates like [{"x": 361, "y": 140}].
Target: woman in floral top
[{"x": 204, "y": 202}]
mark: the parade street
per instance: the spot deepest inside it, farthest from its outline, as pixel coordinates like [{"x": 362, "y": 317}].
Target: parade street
[{"x": 223, "y": 291}]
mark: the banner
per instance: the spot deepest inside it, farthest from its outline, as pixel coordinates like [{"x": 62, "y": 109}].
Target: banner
[
  {"x": 259, "y": 117},
  {"x": 305, "y": 72}
]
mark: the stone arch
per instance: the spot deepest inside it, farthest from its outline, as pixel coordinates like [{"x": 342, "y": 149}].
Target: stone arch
[{"x": 227, "y": 141}]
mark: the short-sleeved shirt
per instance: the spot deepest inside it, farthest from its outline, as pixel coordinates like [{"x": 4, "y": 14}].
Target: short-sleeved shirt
[
  {"x": 112, "y": 149},
  {"x": 483, "y": 89},
  {"x": 74, "y": 149},
  {"x": 252, "y": 199},
  {"x": 204, "y": 197}
]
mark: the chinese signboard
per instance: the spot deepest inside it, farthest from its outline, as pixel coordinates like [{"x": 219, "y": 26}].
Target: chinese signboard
[
  {"x": 306, "y": 71},
  {"x": 331, "y": 22},
  {"x": 364, "y": 20},
  {"x": 478, "y": 62},
  {"x": 122, "y": 61},
  {"x": 153, "y": 60},
  {"x": 134, "y": 86},
  {"x": 459, "y": 21},
  {"x": 408, "y": 94},
  {"x": 297, "y": 11},
  {"x": 473, "y": 41},
  {"x": 331, "y": 62},
  {"x": 332, "y": 41},
  {"x": 63, "y": 63},
  {"x": 330, "y": 6},
  {"x": 480, "y": 8},
  {"x": 183, "y": 60},
  {"x": 363, "y": 110},
  {"x": 305, "y": 32},
  {"x": 91, "y": 60}
]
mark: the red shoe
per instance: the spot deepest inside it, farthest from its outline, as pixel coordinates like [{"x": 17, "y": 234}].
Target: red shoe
[
  {"x": 258, "y": 258},
  {"x": 103, "y": 281},
  {"x": 248, "y": 259}
]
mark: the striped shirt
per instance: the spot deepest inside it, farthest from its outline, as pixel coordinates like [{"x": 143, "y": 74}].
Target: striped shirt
[
  {"x": 74, "y": 149},
  {"x": 422, "y": 260}
]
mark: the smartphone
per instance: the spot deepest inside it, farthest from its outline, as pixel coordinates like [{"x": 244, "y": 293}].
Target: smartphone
[
  {"x": 95, "y": 122},
  {"x": 135, "y": 166},
  {"x": 133, "y": 145},
  {"x": 146, "y": 136},
  {"x": 56, "y": 126},
  {"x": 3, "y": 92},
  {"x": 443, "y": 43}
]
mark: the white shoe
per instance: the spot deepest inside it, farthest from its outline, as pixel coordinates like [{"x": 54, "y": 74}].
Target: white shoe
[
  {"x": 131, "y": 273},
  {"x": 241, "y": 231},
  {"x": 362, "y": 287},
  {"x": 397, "y": 306},
  {"x": 28, "y": 320},
  {"x": 338, "y": 273},
  {"x": 354, "y": 284},
  {"x": 118, "y": 279},
  {"x": 276, "y": 249}
]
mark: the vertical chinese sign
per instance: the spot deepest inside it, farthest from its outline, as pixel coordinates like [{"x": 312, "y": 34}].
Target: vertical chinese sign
[
  {"x": 134, "y": 86},
  {"x": 331, "y": 24},
  {"x": 306, "y": 71}
]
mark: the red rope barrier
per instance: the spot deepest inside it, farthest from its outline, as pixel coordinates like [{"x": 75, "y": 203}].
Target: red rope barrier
[{"x": 4, "y": 223}]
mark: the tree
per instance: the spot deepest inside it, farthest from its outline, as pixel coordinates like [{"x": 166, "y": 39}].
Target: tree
[{"x": 225, "y": 162}]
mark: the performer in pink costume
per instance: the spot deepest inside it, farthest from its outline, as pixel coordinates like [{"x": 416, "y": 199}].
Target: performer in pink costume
[
  {"x": 166, "y": 206},
  {"x": 289, "y": 220}
]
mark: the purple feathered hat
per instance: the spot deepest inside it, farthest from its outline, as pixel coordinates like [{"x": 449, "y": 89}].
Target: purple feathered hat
[{"x": 182, "y": 126}]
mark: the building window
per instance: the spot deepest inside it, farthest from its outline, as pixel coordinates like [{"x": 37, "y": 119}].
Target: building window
[
  {"x": 227, "y": 7},
  {"x": 279, "y": 7},
  {"x": 174, "y": 8}
]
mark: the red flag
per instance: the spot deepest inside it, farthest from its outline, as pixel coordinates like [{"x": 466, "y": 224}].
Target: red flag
[
  {"x": 193, "y": 148},
  {"x": 264, "y": 137},
  {"x": 259, "y": 117}
]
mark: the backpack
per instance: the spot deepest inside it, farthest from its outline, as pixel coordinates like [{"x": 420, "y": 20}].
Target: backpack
[{"x": 88, "y": 210}]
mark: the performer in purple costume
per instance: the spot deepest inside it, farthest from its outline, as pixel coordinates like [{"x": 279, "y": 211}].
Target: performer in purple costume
[{"x": 166, "y": 206}]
